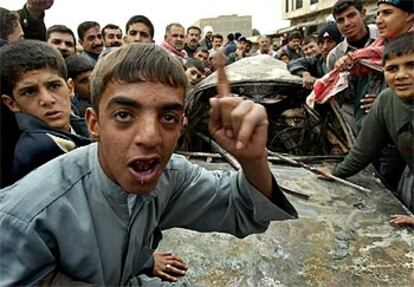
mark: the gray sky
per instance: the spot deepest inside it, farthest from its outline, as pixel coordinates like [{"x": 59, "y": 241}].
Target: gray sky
[{"x": 266, "y": 14}]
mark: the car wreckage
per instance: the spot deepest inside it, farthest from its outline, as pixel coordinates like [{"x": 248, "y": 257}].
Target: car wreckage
[{"x": 342, "y": 237}]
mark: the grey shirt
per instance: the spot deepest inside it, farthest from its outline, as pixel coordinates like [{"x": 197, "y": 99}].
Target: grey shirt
[
  {"x": 67, "y": 215},
  {"x": 390, "y": 118}
]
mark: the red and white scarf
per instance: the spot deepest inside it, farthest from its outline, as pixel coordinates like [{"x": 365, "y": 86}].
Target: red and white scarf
[
  {"x": 366, "y": 60},
  {"x": 172, "y": 49}
]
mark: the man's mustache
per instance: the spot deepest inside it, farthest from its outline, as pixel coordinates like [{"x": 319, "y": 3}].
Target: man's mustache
[
  {"x": 97, "y": 46},
  {"x": 116, "y": 44}
]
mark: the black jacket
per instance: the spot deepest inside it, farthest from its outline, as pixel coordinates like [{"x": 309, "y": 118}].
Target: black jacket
[
  {"x": 40, "y": 143},
  {"x": 33, "y": 28},
  {"x": 315, "y": 66}
]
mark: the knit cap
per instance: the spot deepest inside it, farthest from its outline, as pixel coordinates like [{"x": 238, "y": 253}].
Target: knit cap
[
  {"x": 406, "y": 5},
  {"x": 330, "y": 31}
]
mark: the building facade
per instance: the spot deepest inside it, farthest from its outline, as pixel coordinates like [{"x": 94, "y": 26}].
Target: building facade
[
  {"x": 315, "y": 11},
  {"x": 307, "y": 15},
  {"x": 227, "y": 24}
]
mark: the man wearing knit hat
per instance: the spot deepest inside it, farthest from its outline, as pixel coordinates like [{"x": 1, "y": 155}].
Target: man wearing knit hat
[
  {"x": 394, "y": 17},
  {"x": 328, "y": 37},
  {"x": 315, "y": 67}
]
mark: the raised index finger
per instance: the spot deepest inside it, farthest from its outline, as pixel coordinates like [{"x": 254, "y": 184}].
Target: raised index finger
[{"x": 218, "y": 60}]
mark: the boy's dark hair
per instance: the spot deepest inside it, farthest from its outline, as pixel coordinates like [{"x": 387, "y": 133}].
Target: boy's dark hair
[
  {"x": 85, "y": 26},
  {"x": 60, "y": 29},
  {"x": 310, "y": 38},
  {"x": 196, "y": 63},
  {"x": 26, "y": 56},
  {"x": 230, "y": 37},
  {"x": 140, "y": 19},
  {"x": 242, "y": 39},
  {"x": 341, "y": 5},
  {"x": 136, "y": 64},
  {"x": 281, "y": 54},
  {"x": 218, "y": 36},
  {"x": 401, "y": 45},
  {"x": 193, "y": 28},
  {"x": 295, "y": 35},
  {"x": 77, "y": 64},
  {"x": 110, "y": 26},
  {"x": 204, "y": 50},
  {"x": 237, "y": 35},
  {"x": 8, "y": 22}
]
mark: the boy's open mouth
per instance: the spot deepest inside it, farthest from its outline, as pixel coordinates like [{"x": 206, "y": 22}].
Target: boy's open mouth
[
  {"x": 143, "y": 165},
  {"x": 144, "y": 170}
]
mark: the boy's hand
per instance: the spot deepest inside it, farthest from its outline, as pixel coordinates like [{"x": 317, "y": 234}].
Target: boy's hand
[
  {"x": 240, "y": 126},
  {"x": 402, "y": 219},
  {"x": 37, "y": 7},
  {"x": 168, "y": 267},
  {"x": 367, "y": 102},
  {"x": 308, "y": 80},
  {"x": 346, "y": 62},
  {"x": 323, "y": 171}
]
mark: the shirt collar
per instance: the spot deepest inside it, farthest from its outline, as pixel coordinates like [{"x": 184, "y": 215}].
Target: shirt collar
[{"x": 373, "y": 35}]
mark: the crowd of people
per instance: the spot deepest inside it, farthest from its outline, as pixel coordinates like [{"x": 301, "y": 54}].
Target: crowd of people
[{"x": 89, "y": 132}]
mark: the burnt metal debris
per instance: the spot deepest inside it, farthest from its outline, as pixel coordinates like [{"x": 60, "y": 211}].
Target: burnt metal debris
[
  {"x": 342, "y": 237},
  {"x": 294, "y": 128}
]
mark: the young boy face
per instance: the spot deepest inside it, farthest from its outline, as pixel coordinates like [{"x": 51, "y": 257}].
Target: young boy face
[
  {"x": 43, "y": 94},
  {"x": 392, "y": 21},
  {"x": 138, "y": 33},
  {"x": 326, "y": 45},
  {"x": 351, "y": 23},
  {"x": 194, "y": 75},
  {"x": 137, "y": 129},
  {"x": 399, "y": 73},
  {"x": 82, "y": 85}
]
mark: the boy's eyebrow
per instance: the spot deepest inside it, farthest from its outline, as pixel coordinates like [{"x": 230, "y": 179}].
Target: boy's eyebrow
[
  {"x": 28, "y": 85},
  {"x": 55, "y": 81},
  {"x": 123, "y": 101},
  {"x": 173, "y": 106}
]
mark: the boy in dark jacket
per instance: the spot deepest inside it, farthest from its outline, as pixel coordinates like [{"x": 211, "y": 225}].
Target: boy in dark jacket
[
  {"x": 315, "y": 67},
  {"x": 34, "y": 86}
]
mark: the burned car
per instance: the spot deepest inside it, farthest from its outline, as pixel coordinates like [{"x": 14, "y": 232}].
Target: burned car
[
  {"x": 342, "y": 237},
  {"x": 294, "y": 128}
]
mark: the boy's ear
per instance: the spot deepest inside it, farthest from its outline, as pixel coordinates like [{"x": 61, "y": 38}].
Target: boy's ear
[
  {"x": 10, "y": 103},
  {"x": 71, "y": 86},
  {"x": 93, "y": 126},
  {"x": 184, "y": 122},
  {"x": 363, "y": 12}
]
